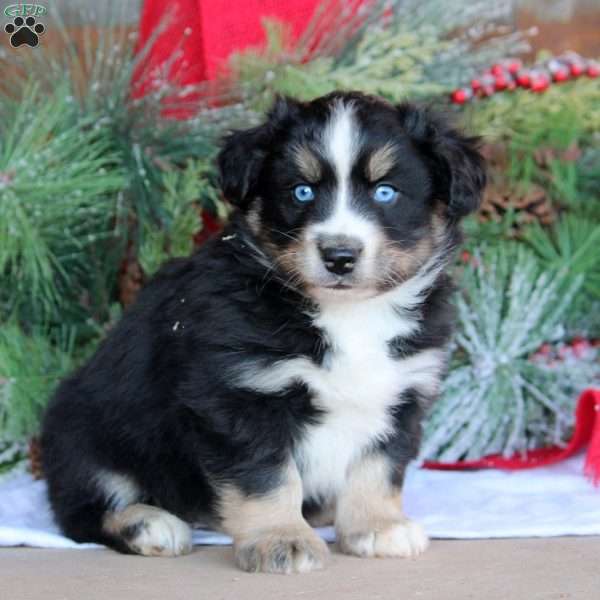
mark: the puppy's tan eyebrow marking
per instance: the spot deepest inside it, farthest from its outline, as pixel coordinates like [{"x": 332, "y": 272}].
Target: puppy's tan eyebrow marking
[
  {"x": 381, "y": 161},
  {"x": 308, "y": 163}
]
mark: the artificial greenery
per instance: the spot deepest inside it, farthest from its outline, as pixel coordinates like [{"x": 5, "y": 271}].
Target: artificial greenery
[
  {"x": 97, "y": 177},
  {"x": 174, "y": 235},
  {"x": 30, "y": 368},
  {"x": 572, "y": 245},
  {"x": 92, "y": 177},
  {"x": 59, "y": 179},
  {"x": 394, "y": 49},
  {"x": 564, "y": 115},
  {"x": 496, "y": 398}
]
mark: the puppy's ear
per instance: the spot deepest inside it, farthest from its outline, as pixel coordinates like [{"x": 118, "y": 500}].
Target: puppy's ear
[
  {"x": 457, "y": 165},
  {"x": 243, "y": 152}
]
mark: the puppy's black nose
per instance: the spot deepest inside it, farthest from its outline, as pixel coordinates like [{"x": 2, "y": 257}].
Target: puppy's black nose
[{"x": 340, "y": 261}]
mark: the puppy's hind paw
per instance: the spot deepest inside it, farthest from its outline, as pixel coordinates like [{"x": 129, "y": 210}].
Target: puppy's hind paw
[
  {"x": 404, "y": 539},
  {"x": 282, "y": 551}
]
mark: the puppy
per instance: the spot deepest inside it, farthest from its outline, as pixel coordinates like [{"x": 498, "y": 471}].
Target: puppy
[{"x": 277, "y": 378}]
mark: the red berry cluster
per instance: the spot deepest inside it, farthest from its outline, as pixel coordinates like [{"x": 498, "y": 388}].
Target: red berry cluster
[
  {"x": 509, "y": 74},
  {"x": 555, "y": 354}
]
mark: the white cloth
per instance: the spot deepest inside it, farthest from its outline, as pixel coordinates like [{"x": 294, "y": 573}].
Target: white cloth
[{"x": 544, "y": 502}]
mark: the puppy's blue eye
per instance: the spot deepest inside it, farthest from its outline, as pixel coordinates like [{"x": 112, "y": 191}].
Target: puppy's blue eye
[
  {"x": 304, "y": 193},
  {"x": 385, "y": 194}
]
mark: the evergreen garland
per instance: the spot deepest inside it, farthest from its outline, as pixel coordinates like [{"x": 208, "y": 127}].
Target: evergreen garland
[{"x": 95, "y": 176}]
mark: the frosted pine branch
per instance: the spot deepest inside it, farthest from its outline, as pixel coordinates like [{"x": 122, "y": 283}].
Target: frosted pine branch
[{"x": 497, "y": 398}]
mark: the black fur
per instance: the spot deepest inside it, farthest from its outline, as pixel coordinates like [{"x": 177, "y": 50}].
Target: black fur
[
  {"x": 158, "y": 401},
  {"x": 457, "y": 166}
]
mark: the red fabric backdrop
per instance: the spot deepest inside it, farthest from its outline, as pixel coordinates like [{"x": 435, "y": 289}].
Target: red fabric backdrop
[{"x": 197, "y": 36}]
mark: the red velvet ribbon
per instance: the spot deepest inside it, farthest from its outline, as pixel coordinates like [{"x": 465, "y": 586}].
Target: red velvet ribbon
[{"x": 587, "y": 432}]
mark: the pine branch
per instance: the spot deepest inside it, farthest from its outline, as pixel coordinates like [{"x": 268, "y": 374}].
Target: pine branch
[
  {"x": 174, "y": 235},
  {"x": 30, "y": 368},
  {"x": 395, "y": 49},
  {"x": 57, "y": 188},
  {"x": 497, "y": 399},
  {"x": 572, "y": 247}
]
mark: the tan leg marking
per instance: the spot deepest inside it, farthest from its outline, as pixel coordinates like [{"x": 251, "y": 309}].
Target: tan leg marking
[
  {"x": 150, "y": 531},
  {"x": 369, "y": 519},
  {"x": 269, "y": 532}
]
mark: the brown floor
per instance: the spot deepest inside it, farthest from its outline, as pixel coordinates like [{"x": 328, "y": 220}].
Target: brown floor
[{"x": 530, "y": 569}]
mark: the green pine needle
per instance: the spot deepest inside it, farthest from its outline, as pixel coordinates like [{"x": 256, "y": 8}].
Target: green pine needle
[
  {"x": 30, "y": 369},
  {"x": 396, "y": 49},
  {"x": 173, "y": 236},
  {"x": 58, "y": 182},
  {"x": 571, "y": 245}
]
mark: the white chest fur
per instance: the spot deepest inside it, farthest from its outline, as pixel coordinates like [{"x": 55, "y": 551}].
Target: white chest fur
[{"x": 356, "y": 385}]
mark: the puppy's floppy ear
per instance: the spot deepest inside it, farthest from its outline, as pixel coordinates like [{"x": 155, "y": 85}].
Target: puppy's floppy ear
[
  {"x": 243, "y": 152},
  {"x": 457, "y": 165}
]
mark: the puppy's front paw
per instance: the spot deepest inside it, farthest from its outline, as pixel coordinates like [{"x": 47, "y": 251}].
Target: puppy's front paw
[
  {"x": 150, "y": 531},
  {"x": 282, "y": 551},
  {"x": 400, "y": 539}
]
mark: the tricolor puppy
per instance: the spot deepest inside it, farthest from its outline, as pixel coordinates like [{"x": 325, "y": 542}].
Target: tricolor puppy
[{"x": 277, "y": 378}]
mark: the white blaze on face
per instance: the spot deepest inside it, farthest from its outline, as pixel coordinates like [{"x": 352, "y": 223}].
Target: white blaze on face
[{"x": 341, "y": 143}]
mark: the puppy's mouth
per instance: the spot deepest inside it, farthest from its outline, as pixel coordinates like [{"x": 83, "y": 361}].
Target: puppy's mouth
[
  {"x": 339, "y": 286},
  {"x": 342, "y": 288},
  {"x": 337, "y": 283}
]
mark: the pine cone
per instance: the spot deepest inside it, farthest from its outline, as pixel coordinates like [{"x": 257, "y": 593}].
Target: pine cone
[
  {"x": 35, "y": 458},
  {"x": 530, "y": 204},
  {"x": 496, "y": 156},
  {"x": 545, "y": 155}
]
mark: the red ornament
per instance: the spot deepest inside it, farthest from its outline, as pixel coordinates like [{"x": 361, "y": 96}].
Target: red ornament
[
  {"x": 461, "y": 96},
  {"x": 514, "y": 66},
  {"x": 508, "y": 74},
  {"x": 593, "y": 70},
  {"x": 580, "y": 346},
  {"x": 575, "y": 63},
  {"x": 501, "y": 82},
  {"x": 487, "y": 91},
  {"x": 524, "y": 78},
  {"x": 497, "y": 69},
  {"x": 560, "y": 75},
  {"x": 577, "y": 69},
  {"x": 540, "y": 81},
  {"x": 558, "y": 70},
  {"x": 539, "y": 86}
]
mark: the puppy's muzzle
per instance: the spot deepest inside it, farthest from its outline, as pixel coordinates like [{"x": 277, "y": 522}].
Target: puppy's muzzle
[{"x": 340, "y": 253}]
